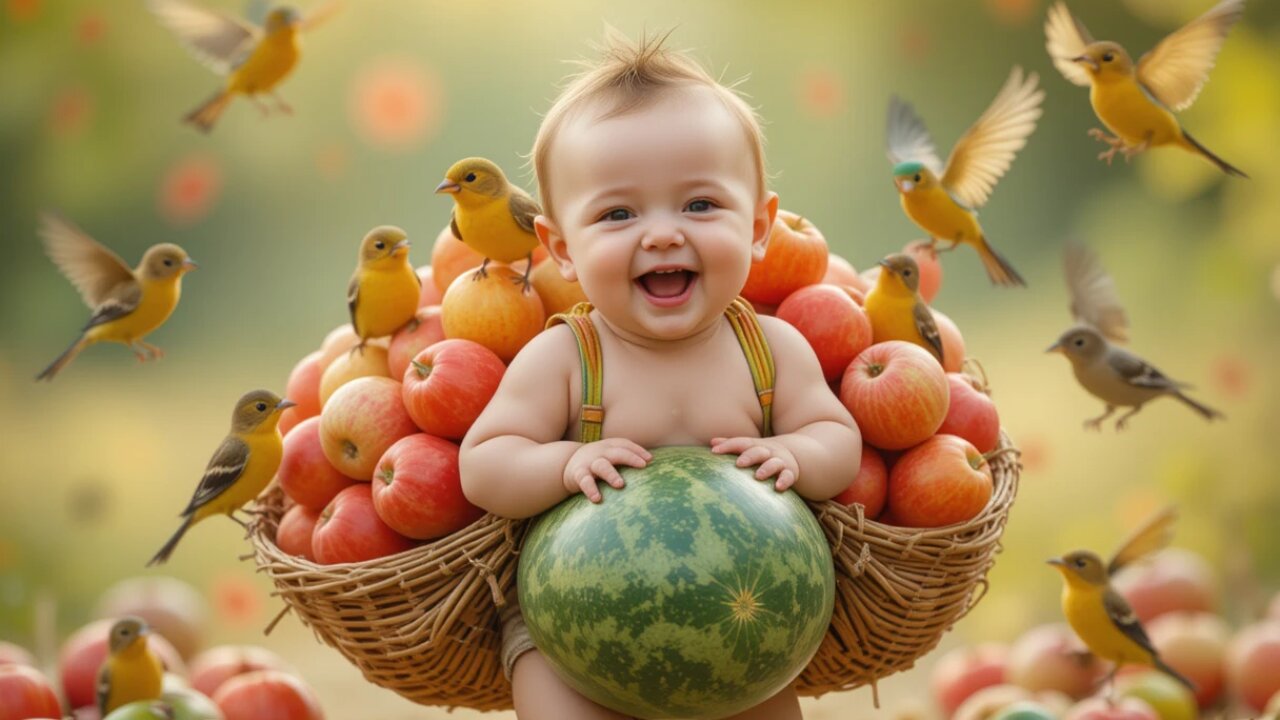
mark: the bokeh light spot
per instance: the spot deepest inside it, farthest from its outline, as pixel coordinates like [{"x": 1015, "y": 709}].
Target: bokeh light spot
[
  {"x": 190, "y": 188},
  {"x": 1035, "y": 453},
  {"x": 395, "y": 103},
  {"x": 821, "y": 92},
  {"x": 236, "y": 600},
  {"x": 915, "y": 42},
  {"x": 1013, "y": 13},
  {"x": 1232, "y": 375},
  {"x": 332, "y": 161},
  {"x": 23, "y": 10},
  {"x": 91, "y": 29},
  {"x": 71, "y": 112}
]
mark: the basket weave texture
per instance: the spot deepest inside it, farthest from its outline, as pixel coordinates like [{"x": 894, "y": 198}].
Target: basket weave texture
[{"x": 424, "y": 623}]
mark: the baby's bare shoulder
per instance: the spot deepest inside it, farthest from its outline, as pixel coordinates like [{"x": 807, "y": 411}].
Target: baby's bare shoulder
[
  {"x": 782, "y": 335},
  {"x": 550, "y": 350}
]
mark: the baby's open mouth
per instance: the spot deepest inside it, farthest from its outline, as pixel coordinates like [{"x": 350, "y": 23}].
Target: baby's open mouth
[{"x": 667, "y": 283}]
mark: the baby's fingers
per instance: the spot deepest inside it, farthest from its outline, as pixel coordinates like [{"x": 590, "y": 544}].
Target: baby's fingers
[
  {"x": 770, "y": 467},
  {"x": 754, "y": 456},
  {"x": 730, "y": 445},
  {"x": 634, "y": 457},
  {"x": 587, "y": 484},
  {"x": 785, "y": 480}
]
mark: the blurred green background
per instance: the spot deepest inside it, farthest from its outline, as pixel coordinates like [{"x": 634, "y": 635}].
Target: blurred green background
[{"x": 94, "y": 466}]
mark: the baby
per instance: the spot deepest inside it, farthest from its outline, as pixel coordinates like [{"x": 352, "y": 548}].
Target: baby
[{"x": 653, "y": 184}]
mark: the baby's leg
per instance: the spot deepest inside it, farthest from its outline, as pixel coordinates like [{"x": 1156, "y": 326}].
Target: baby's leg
[
  {"x": 783, "y": 706},
  {"x": 540, "y": 693}
]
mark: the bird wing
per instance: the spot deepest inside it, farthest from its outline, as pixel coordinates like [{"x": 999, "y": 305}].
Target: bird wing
[
  {"x": 102, "y": 686},
  {"x": 1178, "y": 66},
  {"x": 1138, "y": 372},
  {"x": 216, "y": 40},
  {"x": 986, "y": 150},
  {"x": 907, "y": 137},
  {"x": 523, "y": 208},
  {"x": 928, "y": 327},
  {"x": 224, "y": 468},
  {"x": 453, "y": 225},
  {"x": 320, "y": 15},
  {"x": 123, "y": 300},
  {"x": 353, "y": 298},
  {"x": 1125, "y": 619},
  {"x": 88, "y": 264},
  {"x": 1093, "y": 293},
  {"x": 1154, "y": 535},
  {"x": 1065, "y": 38}
]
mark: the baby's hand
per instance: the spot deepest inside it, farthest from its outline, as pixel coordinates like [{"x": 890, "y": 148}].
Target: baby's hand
[
  {"x": 774, "y": 459},
  {"x": 598, "y": 460}
]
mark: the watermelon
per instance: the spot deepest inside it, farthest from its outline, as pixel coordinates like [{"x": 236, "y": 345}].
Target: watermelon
[{"x": 696, "y": 591}]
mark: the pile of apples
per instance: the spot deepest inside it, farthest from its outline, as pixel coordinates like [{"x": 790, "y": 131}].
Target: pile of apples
[
  {"x": 228, "y": 682},
  {"x": 1046, "y": 674}
]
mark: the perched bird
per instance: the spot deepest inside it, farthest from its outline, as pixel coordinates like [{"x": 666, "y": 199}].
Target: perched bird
[
  {"x": 492, "y": 216},
  {"x": 131, "y": 672},
  {"x": 1100, "y": 615},
  {"x": 1137, "y": 102},
  {"x": 242, "y": 466},
  {"x": 943, "y": 200},
  {"x": 127, "y": 304},
  {"x": 254, "y": 59},
  {"x": 383, "y": 293},
  {"x": 896, "y": 310},
  {"x": 1110, "y": 373}
]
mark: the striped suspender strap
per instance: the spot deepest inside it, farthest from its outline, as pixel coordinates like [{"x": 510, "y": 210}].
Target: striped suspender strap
[
  {"x": 591, "y": 418},
  {"x": 759, "y": 358}
]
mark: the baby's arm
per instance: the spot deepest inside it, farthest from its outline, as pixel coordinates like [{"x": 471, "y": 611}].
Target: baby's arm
[
  {"x": 816, "y": 444},
  {"x": 513, "y": 461}
]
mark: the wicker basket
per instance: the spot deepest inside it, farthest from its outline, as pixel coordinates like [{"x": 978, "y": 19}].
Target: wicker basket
[{"x": 424, "y": 623}]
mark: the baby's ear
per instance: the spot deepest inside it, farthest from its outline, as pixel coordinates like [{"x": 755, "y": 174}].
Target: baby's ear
[
  {"x": 551, "y": 238},
  {"x": 762, "y": 225}
]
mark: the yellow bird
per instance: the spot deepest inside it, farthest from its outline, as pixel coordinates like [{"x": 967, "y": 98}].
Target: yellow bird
[
  {"x": 896, "y": 309},
  {"x": 127, "y": 304},
  {"x": 1100, "y": 615},
  {"x": 1137, "y": 103},
  {"x": 943, "y": 200},
  {"x": 384, "y": 290},
  {"x": 242, "y": 466},
  {"x": 254, "y": 59},
  {"x": 131, "y": 672},
  {"x": 492, "y": 216}
]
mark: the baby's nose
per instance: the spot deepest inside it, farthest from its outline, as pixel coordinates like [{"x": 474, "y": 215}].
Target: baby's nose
[{"x": 662, "y": 235}]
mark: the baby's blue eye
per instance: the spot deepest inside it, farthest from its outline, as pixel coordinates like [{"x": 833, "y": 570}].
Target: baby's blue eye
[
  {"x": 699, "y": 206},
  {"x": 617, "y": 215}
]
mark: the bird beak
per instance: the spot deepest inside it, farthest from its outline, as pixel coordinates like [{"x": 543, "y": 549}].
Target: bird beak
[
  {"x": 1086, "y": 60},
  {"x": 402, "y": 245},
  {"x": 285, "y": 404},
  {"x": 448, "y": 186},
  {"x": 905, "y": 186},
  {"x": 1055, "y": 348},
  {"x": 883, "y": 263},
  {"x": 1056, "y": 561},
  {"x": 189, "y": 265}
]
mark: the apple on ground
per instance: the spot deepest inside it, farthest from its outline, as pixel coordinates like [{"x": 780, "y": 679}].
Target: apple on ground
[
  {"x": 1026, "y": 710},
  {"x": 426, "y": 329},
  {"x": 297, "y": 525},
  {"x": 971, "y": 414},
  {"x": 26, "y": 693},
  {"x": 1194, "y": 644},
  {"x": 965, "y": 670},
  {"x": 1169, "y": 698},
  {"x": 82, "y": 654},
  {"x": 305, "y": 475},
  {"x": 1253, "y": 663},
  {"x": 942, "y": 481},
  {"x": 835, "y": 325},
  {"x": 417, "y": 489},
  {"x": 985, "y": 702},
  {"x": 171, "y": 607},
  {"x": 211, "y": 668},
  {"x": 1172, "y": 579},
  {"x": 267, "y": 694},
  {"x": 368, "y": 362},
  {"x": 349, "y": 530},
  {"x": 898, "y": 394},
  {"x": 494, "y": 311},
  {"x": 1100, "y": 708},
  {"x": 1051, "y": 657},
  {"x": 303, "y": 388},
  {"x": 869, "y": 487},
  {"x": 449, "y": 384},
  {"x": 796, "y": 256},
  {"x": 362, "y": 419}
]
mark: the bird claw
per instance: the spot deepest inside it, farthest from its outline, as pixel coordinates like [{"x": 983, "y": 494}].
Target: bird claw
[
  {"x": 1108, "y": 155},
  {"x": 1093, "y": 424}
]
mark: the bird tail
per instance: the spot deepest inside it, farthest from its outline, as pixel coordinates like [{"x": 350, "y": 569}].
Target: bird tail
[
  {"x": 167, "y": 550},
  {"x": 1164, "y": 668},
  {"x": 61, "y": 361},
  {"x": 998, "y": 269},
  {"x": 1226, "y": 167},
  {"x": 1205, "y": 411},
  {"x": 207, "y": 114}
]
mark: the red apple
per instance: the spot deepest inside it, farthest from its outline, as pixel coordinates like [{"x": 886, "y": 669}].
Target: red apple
[
  {"x": 82, "y": 654},
  {"x": 303, "y": 389},
  {"x": 448, "y": 385},
  {"x": 952, "y": 342},
  {"x": 1194, "y": 644},
  {"x": 835, "y": 326},
  {"x": 293, "y": 535},
  {"x": 267, "y": 694},
  {"x": 1253, "y": 663},
  {"x": 349, "y": 530},
  {"x": 25, "y": 693},
  {"x": 930, "y": 268},
  {"x": 897, "y": 392},
  {"x": 986, "y": 702},
  {"x": 1051, "y": 657},
  {"x": 172, "y": 608},
  {"x": 966, "y": 670},
  {"x": 869, "y": 486},
  {"x": 305, "y": 473},
  {"x": 213, "y": 667},
  {"x": 431, "y": 294},
  {"x": 971, "y": 414},
  {"x": 426, "y": 329},
  {"x": 417, "y": 489},
  {"x": 11, "y": 654},
  {"x": 1173, "y": 579},
  {"x": 1100, "y": 708},
  {"x": 369, "y": 362},
  {"x": 942, "y": 481},
  {"x": 795, "y": 256},
  {"x": 842, "y": 272},
  {"x": 362, "y": 419}
]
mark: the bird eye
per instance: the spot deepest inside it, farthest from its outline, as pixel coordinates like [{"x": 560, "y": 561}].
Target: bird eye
[
  {"x": 1080, "y": 563},
  {"x": 906, "y": 273},
  {"x": 471, "y": 177},
  {"x": 1108, "y": 57},
  {"x": 380, "y": 245},
  {"x": 261, "y": 407},
  {"x": 917, "y": 179},
  {"x": 1079, "y": 342},
  {"x": 168, "y": 263}
]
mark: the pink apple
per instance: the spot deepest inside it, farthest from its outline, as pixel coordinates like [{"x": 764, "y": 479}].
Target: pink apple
[
  {"x": 1194, "y": 644},
  {"x": 930, "y": 268},
  {"x": 897, "y": 392},
  {"x": 971, "y": 414},
  {"x": 1099, "y": 708},
  {"x": 25, "y": 693},
  {"x": 448, "y": 385},
  {"x": 349, "y": 530},
  {"x": 293, "y": 534},
  {"x": 835, "y": 326},
  {"x": 431, "y": 294},
  {"x": 869, "y": 487},
  {"x": 211, "y": 668},
  {"x": 1173, "y": 579},
  {"x": 303, "y": 388},
  {"x": 1253, "y": 663},
  {"x": 942, "y": 481},
  {"x": 267, "y": 694},
  {"x": 984, "y": 703},
  {"x": 361, "y": 420},
  {"x": 11, "y": 654},
  {"x": 966, "y": 670},
  {"x": 305, "y": 473},
  {"x": 952, "y": 342},
  {"x": 417, "y": 489},
  {"x": 1051, "y": 657},
  {"x": 173, "y": 608},
  {"x": 842, "y": 272},
  {"x": 426, "y": 329}
]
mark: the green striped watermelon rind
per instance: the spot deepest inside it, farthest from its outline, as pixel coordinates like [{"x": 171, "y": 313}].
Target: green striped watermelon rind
[{"x": 710, "y": 598}]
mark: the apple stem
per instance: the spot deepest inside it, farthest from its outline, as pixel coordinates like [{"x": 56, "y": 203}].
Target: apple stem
[
  {"x": 423, "y": 369},
  {"x": 350, "y": 450},
  {"x": 874, "y": 369},
  {"x": 387, "y": 473}
]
